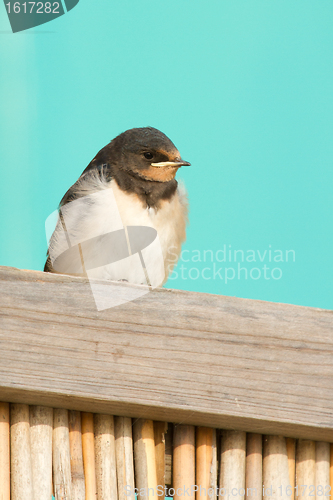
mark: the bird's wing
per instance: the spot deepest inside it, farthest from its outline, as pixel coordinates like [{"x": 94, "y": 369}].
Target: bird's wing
[
  {"x": 98, "y": 173},
  {"x": 99, "y": 166}
]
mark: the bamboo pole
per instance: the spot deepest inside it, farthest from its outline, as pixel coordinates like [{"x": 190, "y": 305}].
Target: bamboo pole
[
  {"x": 62, "y": 481},
  {"x": 144, "y": 458},
  {"x": 75, "y": 444},
  {"x": 206, "y": 458},
  {"x": 331, "y": 470},
  {"x": 105, "y": 451},
  {"x": 168, "y": 455},
  {"x": 4, "y": 452},
  {"x": 21, "y": 469},
  {"x": 88, "y": 450},
  {"x": 232, "y": 464},
  {"x": 124, "y": 458},
  {"x": 183, "y": 461},
  {"x": 160, "y": 430},
  {"x": 253, "y": 471},
  {"x": 275, "y": 467},
  {"x": 322, "y": 470},
  {"x": 291, "y": 453},
  {"x": 41, "y": 429},
  {"x": 305, "y": 469}
]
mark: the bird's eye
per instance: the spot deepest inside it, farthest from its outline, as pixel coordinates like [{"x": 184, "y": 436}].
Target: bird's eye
[{"x": 148, "y": 155}]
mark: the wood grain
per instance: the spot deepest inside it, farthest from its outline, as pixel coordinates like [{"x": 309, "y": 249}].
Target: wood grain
[
  {"x": 4, "y": 452},
  {"x": 242, "y": 355},
  {"x": 41, "y": 429}
]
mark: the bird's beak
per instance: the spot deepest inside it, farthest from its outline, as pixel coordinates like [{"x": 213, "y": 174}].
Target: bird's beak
[{"x": 175, "y": 163}]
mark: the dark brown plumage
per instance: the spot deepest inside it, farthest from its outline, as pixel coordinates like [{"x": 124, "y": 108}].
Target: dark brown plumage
[{"x": 123, "y": 160}]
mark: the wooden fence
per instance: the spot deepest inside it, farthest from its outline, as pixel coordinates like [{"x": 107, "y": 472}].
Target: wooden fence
[{"x": 222, "y": 371}]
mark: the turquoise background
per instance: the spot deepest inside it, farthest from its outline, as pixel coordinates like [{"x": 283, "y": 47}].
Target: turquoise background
[{"x": 243, "y": 88}]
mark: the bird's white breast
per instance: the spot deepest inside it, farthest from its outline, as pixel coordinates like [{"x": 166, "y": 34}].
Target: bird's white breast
[
  {"x": 169, "y": 220},
  {"x": 95, "y": 214}
]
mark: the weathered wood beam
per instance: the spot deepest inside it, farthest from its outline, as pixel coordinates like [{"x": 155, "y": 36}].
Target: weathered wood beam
[{"x": 170, "y": 355}]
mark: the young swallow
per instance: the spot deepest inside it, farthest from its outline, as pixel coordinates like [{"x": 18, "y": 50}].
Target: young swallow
[{"x": 126, "y": 196}]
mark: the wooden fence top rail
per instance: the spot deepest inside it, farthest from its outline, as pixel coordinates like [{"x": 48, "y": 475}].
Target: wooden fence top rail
[{"x": 170, "y": 355}]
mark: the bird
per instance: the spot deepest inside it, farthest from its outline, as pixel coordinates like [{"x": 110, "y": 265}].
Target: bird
[{"x": 125, "y": 197}]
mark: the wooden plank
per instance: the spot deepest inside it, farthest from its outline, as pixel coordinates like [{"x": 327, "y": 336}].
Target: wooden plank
[{"x": 171, "y": 355}]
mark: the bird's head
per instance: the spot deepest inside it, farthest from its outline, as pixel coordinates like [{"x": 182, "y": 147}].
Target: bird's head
[{"x": 148, "y": 153}]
